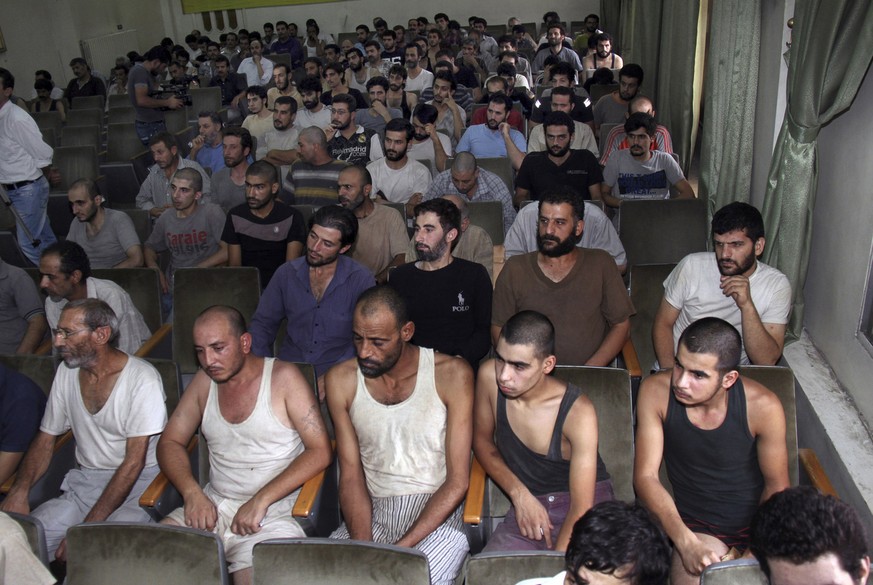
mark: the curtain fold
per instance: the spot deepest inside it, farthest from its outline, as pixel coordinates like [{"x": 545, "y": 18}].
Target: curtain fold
[
  {"x": 610, "y": 18},
  {"x": 731, "y": 83},
  {"x": 832, "y": 48}
]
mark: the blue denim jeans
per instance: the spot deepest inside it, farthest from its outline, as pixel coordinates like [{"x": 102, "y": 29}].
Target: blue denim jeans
[
  {"x": 145, "y": 130},
  {"x": 31, "y": 201}
]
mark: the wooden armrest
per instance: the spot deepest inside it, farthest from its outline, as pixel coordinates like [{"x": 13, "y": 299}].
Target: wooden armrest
[
  {"x": 475, "y": 494},
  {"x": 157, "y": 337},
  {"x": 45, "y": 348},
  {"x": 631, "y": 360},
  {"x": 156, "y": 489},
  {"x": 816, "y": 472},
  {"x": 59, "y": 442},
  {"x": 309, "y": 492}
]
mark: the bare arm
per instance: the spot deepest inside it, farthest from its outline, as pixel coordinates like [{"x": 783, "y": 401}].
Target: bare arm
[
  {"x": 606, "y": 196},
  {"x": 217, "y": 259},
  {"x": 521, "y": 195},
  {"x": 118, "y": 488},
  {"x": 9, "y": 461},
  {"x": 35, "y": 464},
  {"x": 596, "y": 192},
  {"x": 686, "y": 191},
  {"x": 151, "y": 261},
  {"x": 662, "y": 333},
  {"x": 580, "y": 429},
  {"x": 495, "y": 334},
  {"x": 458, "y": 125},
  {"x": 439, "y": 153},
  {"x": 33, "y": 335},
  {"x": 615, "y": 339},
  {"x": 763, "y": 342},
  {"x": 234, "y": 255},
  {"x": 516, "y": 156},
  {"x": 767, "y": 423},
  {"x": 134, "y": 258}
]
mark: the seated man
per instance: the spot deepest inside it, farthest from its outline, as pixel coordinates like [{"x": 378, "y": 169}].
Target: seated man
[
  {"x": 396, "y": 393},
  {"x": 617, "y": 139},
  {"x": 173, "y": 232},
  {"x": 563, "y": 75},
  {"x": 315, "y": 295},
  {"x": 228, "y": 184},
  {"x": 266, "y": 439},
  {"x": 614, "y": 543},
  {"x": 451, "y": 118},
  {"x": 802, "y": 536},
  {"x": 427, "y": 144},
  {"x": 282, "y": 141},
  {"x": 260, "y": 118},
  {"x": 579, "y": 289},
  {"x": 449, "y": 299},
  {"x": 207, "y": 148},
  {"x": 22, "y": 312},
  {"x": 314, "y": 112},
  {"x": 335, "y": 81},
  {"x": 106, "y": 235},
  {"x": 536, "y": 437},
  {"x": 263, "y": 232},
  {"x": 397, "y": 178},
  {"x": 378, "y": 114},
  {"x": 612, "y": 108},
  {"x": 722, "y": 438},
  {"x": 494, "y": 85},
  {"x": 22, "y": 404},
  {"x": 598, "y": 233},
  {"x": 232, "y": 86},
  {"x": 603, "y": 55},
  {"x": 582, "y": 135},
  {"x": 114, "y": 404},
  {"x": 495, "y": 138},
  {"x": 347, "y": 140},
  {"x": 381, "y": 230},
  {"x": 312, "y": 179},
  {"x": 640, "y": 172},
  {"x": 154, "y": 194},
  {"x": 730, "y": 284},
  {"x": 65, "y": 276}
]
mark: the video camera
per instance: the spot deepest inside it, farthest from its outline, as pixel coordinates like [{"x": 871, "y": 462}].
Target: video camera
[{"x": 175, "y": 88}]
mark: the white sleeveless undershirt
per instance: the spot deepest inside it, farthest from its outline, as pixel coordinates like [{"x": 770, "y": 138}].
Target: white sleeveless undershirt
[
  {"x": 402, "y": 445},
  {"x": 244, "y": 457}
]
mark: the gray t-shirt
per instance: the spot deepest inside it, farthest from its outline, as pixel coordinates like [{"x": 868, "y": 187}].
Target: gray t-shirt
[
  {"x": 140, "y": 76},
  {"x": 608, "y": 111},
  {"x": 109, "y": 246},
  {"x": 191, "y": 239},
  {"x": 225, "y": 192},
  {"x": 19, "y": 303},
  {"x": 631, "y": 179}
]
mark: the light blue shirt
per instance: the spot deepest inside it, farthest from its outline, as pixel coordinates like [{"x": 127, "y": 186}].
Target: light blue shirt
[{"x": 483, "y": 142}]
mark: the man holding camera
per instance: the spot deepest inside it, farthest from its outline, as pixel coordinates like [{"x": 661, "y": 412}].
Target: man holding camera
[{"x": 142, "y": 84}]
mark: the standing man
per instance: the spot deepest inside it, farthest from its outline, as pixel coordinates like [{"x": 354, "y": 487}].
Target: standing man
[
  {"x": 25, "y": 164},
  {"x": 114, "y": 404},
  {"x": 397, "y": 178},
  {"x": 229, "y": 183},
  {"x": 266, "y": 439},
  {"x": 722, "y": 438},
  {"x": 262, "y": 232},
  {"x": 381, "y": 241},
  {"x": 448, "y": 298},
  {"x": 154, "y": 193},
  {"x": 143, "y": 81},
  {"x": 730, "y": 284},
  {"x": 107, "y": 235},
  {"x": 396, "y": 393},
  {"x": 312, "y": 179},
  {"x": 260, "y": 119},
  {"x": 521, "y": 412},
  {"x": 315, "y": 295},
  {"x": 346, "y": 140}
]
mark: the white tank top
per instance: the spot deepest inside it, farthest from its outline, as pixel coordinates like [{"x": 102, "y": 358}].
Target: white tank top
[
  {"x": 244, "y": 457},
  {"x": 402, "y": 445}
]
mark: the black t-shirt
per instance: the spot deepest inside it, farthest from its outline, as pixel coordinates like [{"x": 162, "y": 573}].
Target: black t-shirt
[
  {"x": 466, "y": 76},
  {"x": 579, "y": 172},
  {"x": 264, "y": 242},
  {"x": 582, "y": 109},
  {"x": 360, "y": 102}
]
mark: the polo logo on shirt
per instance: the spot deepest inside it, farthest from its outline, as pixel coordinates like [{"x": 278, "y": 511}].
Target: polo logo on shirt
[{"x": 461, "y": 307}]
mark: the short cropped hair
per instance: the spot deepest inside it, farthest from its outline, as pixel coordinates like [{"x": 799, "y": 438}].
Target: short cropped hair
[
  {"x": 193, "y": 175},
  {"x": 563, "y": 68},
  {"x": 530, "y": 328},
  {"x": 383, "y": 296},
  {"x": 639, "y": 120},
  {"x": 245, "y": 137},
  {"x": 348, "y": 100},
  {"x": 284, "y": 100},
  {"x": 446, "y": 76},
  {"x": 258, "y": 90},
  {"x": 72, "y": 257},
  {"x": 157, "y": 52},
  {"x": 263, "y": 169},
  {"x": 739, "y": 216},
  {"x": 400, "y": 125},
  {"x": 337, "y": 218},
  {"x": 425, "y": 113},
  {"x": 309, "y": 84},
  {"x": 632, "y": 70},
  {"x": 559, "y": 119},
  {"x": 165, "y": 138},
  {"x": 379, "y": 80},
  {"x": 503, "y": 99},
  {"x": 717, "y": 337}
]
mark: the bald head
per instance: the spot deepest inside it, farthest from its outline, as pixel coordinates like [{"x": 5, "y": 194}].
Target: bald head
[
  {"x": 641, "y": 104},
  {"x": 234, "y": 319},
  {"x": 464, "y": 162}
]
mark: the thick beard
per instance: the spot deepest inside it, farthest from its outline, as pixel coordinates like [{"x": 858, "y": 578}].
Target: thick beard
[{"x": 562, "y": 248}]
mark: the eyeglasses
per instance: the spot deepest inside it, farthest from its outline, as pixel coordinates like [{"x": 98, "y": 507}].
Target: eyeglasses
[{"x": 64, "y": 334}]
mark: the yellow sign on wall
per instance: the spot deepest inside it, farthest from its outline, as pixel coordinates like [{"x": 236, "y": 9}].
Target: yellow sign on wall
[{"x": 191, "y": 6}]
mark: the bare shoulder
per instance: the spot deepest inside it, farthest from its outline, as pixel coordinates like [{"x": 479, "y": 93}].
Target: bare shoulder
[
  {"x": 197, "y": 391},
  {"x": 762, "y": 404},
  {"x": 654, "y": 393},
  {"x": 341, "y": 379},
  {"x": 453, "y": 375},
  {"x": 486, "y": 381}
]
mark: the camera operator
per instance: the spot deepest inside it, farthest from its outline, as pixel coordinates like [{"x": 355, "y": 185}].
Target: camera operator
[{"x": 142, "y": 83}]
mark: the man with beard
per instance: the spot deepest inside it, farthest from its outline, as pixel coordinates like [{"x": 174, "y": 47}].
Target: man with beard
[
  {"x": 397, "y": 178},
  {"x": 314, "y": 112},
  {"x": 114, "y": 404},
  {"x": 729, "y": 284},
  {"x": 495, "y": 138},
  {"x": 65, "y": 276},
  {"x": 382, "y": 236},
  {"x": 466, "y": 179},
  {"x": 721, "y": 438},
  {"x": 583, "y": 137},
  {"x": 106, "y": 235},
  {"x": 284, "y": 87},
  {"x": 640, "y": 172},
  {"x": 228, "y": 184},
  {"x": 448, "y": 298},
  {"x": 563, "y": 75},
  {"x": 154, "y": 193},
  {"x": 287, "y": 43},
  {"x": 558, "y": 164},
  {"x": 346, "y": 140},
  {"x": 260, "y": 119},
  {"x": 263, "y": 232},
  {"x": 373, "y": 52},
  {"x": 358, "y": 73},
  {"x": 612, "y": 108},
  {"x": 232, "y": 86},
  {"x": 335, "y": 80},
  {"x": 378, "y": 114},
  {"x": 396, "y": 393},
  {"x": 316, "y": 294},
  {"x": 417, "y": 79},
  {"x": 451, "y": 117},
  {"x": 397, "y": 96},
  {"x": 391, "y": 53},
  {"x": 282, "y": 140},
  {"x": 266, "y": 439},
  {"x": 603, "y": 56},
  {"x": 312, "y": 179},
  {"x": 427, "y": 143},
  {"x": 579, "y": 289},
  {"x": 591, "y": 27},
  {"x": 556, "y": 47},
  {"x": 617, "y": 140}
]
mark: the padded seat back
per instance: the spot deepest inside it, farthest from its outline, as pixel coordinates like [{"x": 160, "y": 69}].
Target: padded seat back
[
  {"x": 121, "y": 115},
  {"x": 90, "y": 102},
  {"x": 49, "y": 120},
  {"x": 204, "y": 99},
  {"x": 171, "y": 379},
  {"x": 10, "y": 251},
  {"x": 646, "y": 291},
  {"x": 73, "y": 163},
  {"x": 85, "y": 117},
  {"x": 84, "y": 135},
  {"x": 508, "y": 568},
  {"x": 122, "y": 184},
  {"x": 122, "y": 143},
  {"x": 488, "y": 215},
  {"x": 119, "y": 102},
  {"x": 663, "y": 230},
  {"x": 39, "y": 368},
  {"x": 598, "y": 90},
  {"x": 142, "y": 222},
  {"x": 143, "y": 286}
]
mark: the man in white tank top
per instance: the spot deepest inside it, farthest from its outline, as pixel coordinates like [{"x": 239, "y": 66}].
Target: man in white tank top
[
  {"x": 403, "y": 420},
  {"x": 266, "y": 439}
]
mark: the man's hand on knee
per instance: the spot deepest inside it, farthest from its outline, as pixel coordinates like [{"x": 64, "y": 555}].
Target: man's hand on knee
[
  {"x": 696, "y": 555},
  {"x": 533, "y": 519},
  {"x": 248, "y": 518},
  {"x": 200, "y": 512}
]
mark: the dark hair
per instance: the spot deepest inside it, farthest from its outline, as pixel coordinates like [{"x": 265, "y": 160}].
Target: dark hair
[
  {"x": 564, "y": 194},
  {"x": 388, "y": 33},
  {"x": 448, "y": 213},
  {"x": 398, "y": 69},
  {"x": 507, "y": 69},
  {"x": 557, "y": 25},
  {"x": 559, "y": 119},
  {"x": 353, "y": 50},
  {"x": 717, "y": 337},
  {"x": 383, "y": 296},
  {"x": 44, "y": 84},
  {"x": 310, "y": 83},
  {"x": 639, "y": 120},
  {"x": 222, "y": 59},
  {"x": 318, "y": 62},
  {"x": 337, "y": 218},
  {"x": 563, "y": 68},
  {"x": 286, "y": 100},
  {"x": 561, "y": 90},
  {"x": 632, "y": 70},
  {"x": 364, "y": 27},
  {"x": 530, "y": 328},
  {"x": 372, "y": 43},
  {"x": 602, "y": 37},
  {"x": 80, "y": 61},
  {"x": 440, "y": 15},
  {"x": 258, "y": 90},
  {"x": 43, "y": 73},
  {"x": 550, "y": 16},
  {"x": 425, "y": 113},
  {"x": 739, "y": 216},
  {"x": 380, "y": 22},
  {"x": 519, "y": 28},
  {"x": 72, "y": 257},
  {"x": 191, "y": 38},
  {"x": 245, "y": 137},
  {"x": 284, "y": 66},
  {"x": 261, "y": 168},
  {"x": 333, "y": 47},
  {"x": 164, "y": 138},
  {"x": 89, "y": 185},
  {"x": 348, "y": 100},
  {"x": 501, "y": 98},
  {"x": 415, "y": 47},
  {"x": 613, "y": 536},
  {"x": 507, "y": 39},
  {"x": 480, "y": 20},
  {"x": 400, "y": 125},
  {"x": 446, "y": 76},
  {"x": 799, "y": 525},
  {"x": 159, "y": 53},
  {"x": 335, "y": 67},
  {"x": 213, "y": 117},
  {"x": 378, "y": 80}
]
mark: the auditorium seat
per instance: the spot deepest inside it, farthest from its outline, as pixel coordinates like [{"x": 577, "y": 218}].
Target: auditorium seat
[
  {"x": 10, "y": 251},
  {"x": 122, "y": 143},
  {"x": 121, "y": 184},
  {"x": 203, "y": 99},
  {"x": 142, "y": 223},
  {"x": 89, "y": 117},
  {"x": 488, "y": 215},
  {"x": 660, "y": 231},
  {"x": 119, "y": 102},
  {"x": 736, "y": 572},
  {"x": 49, "y": 120},
  {"x": 646, "y": 291},
  {"x": 91, "y": 102},
  {"x": 35, "y": 534},
  {"x": 60, "y": 214},
  {"x": 85, "y": 135},
  {"x": 508, "y": 568},
  {"x": 121, "y": 115},
  {"x": 73, "y": 163}
]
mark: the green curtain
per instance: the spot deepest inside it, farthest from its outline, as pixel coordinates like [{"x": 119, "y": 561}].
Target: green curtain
[
  {"x": 731, "y": 92},
  {"x": 640, "y": 36},
  {"x": 610, "y": 18},
  {"x": 832, "y": 48}
]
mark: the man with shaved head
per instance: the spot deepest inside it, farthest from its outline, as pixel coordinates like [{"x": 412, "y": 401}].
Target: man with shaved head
[{"x": 313, "y": 177}]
